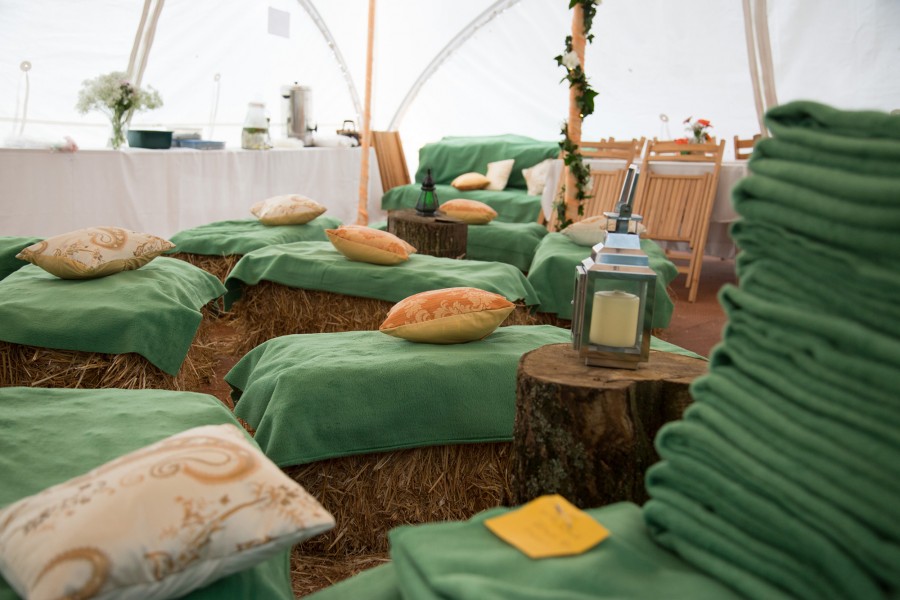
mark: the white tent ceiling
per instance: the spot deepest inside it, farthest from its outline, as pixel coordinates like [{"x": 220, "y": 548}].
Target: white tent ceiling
[{"x": 649, "y": 57}]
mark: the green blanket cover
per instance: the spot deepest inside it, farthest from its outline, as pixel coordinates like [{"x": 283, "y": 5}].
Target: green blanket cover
[
  {"x": 783, "y": 478},
  {"x": 553, "y": 276},
  {"x": 318, "y": 266},
  {"x": 463, "y": 560},
  {"x": 153, "y": 311},
  {"x": 52, "y": 435},
  {"x": 455, "y": 155},
  {"x": 295, "y": 392},
  {"x": 513, "y": 205},
  {"x": 224, "y": 238},
  {"x": 9, "y": 247}
]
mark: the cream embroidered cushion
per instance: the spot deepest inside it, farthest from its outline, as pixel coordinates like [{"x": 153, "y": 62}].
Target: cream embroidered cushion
[
  {"x": 290, "y": 209},
  {"x": 447, "y": 316},
  {"x": 593, "y": 230},
  {"x": 498, "y": 174},
  {"x": 470, "y": 181},
  {"x": 157, "y": 522},
  {"x": 365, "y": 244},
  {"x": 472, "y": 212},
  {"x": 536, "y": 176},
  {"x": 94, "y": 252}
]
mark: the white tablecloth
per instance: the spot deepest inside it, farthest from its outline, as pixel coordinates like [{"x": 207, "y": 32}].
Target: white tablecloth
[
  {"x": 718, "y": 242},
  {"x": 45, "y": 193}
]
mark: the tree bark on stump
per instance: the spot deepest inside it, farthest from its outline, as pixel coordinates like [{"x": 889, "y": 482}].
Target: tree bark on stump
[
  {"x": 436, "y": 236},
  {"x": 587, "y": 432}
]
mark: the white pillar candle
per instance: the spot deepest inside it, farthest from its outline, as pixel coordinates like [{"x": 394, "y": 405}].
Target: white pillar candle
[{"x": 614, "y": 319}]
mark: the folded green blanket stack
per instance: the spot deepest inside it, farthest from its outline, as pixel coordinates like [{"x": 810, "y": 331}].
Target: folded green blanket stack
[
  {"x": 9, "y": 247},
  {"x": 783, "y": 478},
  {"x": 241, "y": 236}
]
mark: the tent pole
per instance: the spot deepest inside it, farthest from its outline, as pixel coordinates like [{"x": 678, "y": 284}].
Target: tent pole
[
  {"x": 753, "y": 64},
  {"x": 362, "y": 213},
  {"x": 573, "y": 125},
  {"x": 129, "y": 73}
]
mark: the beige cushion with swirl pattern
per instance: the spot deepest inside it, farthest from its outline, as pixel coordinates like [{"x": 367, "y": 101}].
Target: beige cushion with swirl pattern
[
  {"x": 157, "y": 522},
  {"x": 471, "y": 212},
  {"x": 95, "y": 252},
  {"x": 365, "y": 244},
  {"x": 289, "y": 209},
  {"x": 447, "y": 316}
]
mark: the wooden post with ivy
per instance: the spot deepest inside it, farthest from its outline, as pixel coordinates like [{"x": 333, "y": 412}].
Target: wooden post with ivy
[{"x": 581, "y": 104}]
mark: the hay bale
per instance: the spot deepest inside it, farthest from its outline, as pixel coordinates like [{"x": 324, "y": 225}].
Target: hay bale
[
  {"x": 268, "y": 310},
  {"x": 220, "y": 266},
  {"x": 369, "y": 494},
  {"x": 311, "y": 573},
  {"x": 32, "y": 366}
]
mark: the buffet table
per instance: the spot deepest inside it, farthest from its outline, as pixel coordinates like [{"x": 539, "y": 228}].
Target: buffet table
[
  {"x": 718, "y": 242},
  {"x": 46, "y": 193}
]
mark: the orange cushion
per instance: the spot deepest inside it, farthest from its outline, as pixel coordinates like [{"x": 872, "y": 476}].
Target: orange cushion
[
  {"x": 470, "y": 181},
  {"x": 410, "y": 249},
  {"x": 472, "y": 212},
  {"x": 447, "y": 316},
  {"x": 365, "y": 244}
]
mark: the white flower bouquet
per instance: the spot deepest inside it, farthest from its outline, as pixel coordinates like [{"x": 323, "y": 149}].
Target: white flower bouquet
[{"x": 115, "y": 96}]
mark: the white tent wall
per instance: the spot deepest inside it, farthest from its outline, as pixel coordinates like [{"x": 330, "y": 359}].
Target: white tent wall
[{"x": 649, "y": 57}]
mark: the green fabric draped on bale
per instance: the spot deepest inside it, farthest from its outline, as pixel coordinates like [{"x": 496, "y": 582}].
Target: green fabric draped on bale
[
  {"x": 455, "y": 155},
  {"x": 52, "y": 435},
  {"x": 318, "y": 266},
  {"x": 463, "y": 560},
  {"x": 553, "y": 276},
  {"x": 512, "y": 205},
  {"x": 9, "y": 247},
  {"x": 153, "y": 311},
  {"x": 511, "y": 243},
  {"x": 316, "y": 396},
  {"x": 241, "y": 236},
  {"x": 782, "y": 478}
]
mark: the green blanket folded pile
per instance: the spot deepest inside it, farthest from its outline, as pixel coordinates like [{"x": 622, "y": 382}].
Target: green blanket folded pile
[
  {"x": 241, "y": 236},
  {"x": 553, "y": 276},
  {"x": 294, "y": 390},
  {"x": 783, "y": 478},
  {"x": 153, "y": 311},
  {"x": 52, "y": 435},
  {"x": 9, "y": 247},
  {"x": 318, "y": 266},
  {"x": 463, "y": 560}
]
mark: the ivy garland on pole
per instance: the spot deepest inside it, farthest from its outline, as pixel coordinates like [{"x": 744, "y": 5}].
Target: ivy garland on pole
[{"x": 584, "y": 100}]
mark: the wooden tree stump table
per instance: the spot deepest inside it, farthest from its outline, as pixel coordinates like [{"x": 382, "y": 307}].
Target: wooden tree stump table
[
  {"x": 436, "y": 236},
  {"x": 587, "y": 432}
]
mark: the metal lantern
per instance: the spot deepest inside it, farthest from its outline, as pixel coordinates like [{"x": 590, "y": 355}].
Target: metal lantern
[
  {"x": 614, "y": 294},
  {"x": 428, "y": 203}
]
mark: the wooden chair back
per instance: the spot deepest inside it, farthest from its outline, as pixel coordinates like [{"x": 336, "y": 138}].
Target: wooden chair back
[
  {"x": 391, "y": 160},
  {"x": 744, "y": 148},
  {"x": 676, "y": 201}
]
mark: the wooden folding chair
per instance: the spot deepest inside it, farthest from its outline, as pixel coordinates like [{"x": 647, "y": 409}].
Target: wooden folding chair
[
  {"x": 391, "y": 160},
  {"x": 607, "y": 174},
  {"x": 675, "y": 196},
  {"x": 744, "y": 148}
]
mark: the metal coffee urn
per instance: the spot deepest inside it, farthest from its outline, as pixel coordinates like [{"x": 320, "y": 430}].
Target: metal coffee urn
[{"x": 297, "y": 105}]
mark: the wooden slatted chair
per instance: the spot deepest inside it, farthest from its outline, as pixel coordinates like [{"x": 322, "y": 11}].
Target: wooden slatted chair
[
  {"x": 744, "y": 148},
  {"x": 675, "y": 195},
  {"x": 607, "y": 175},
  {"x": 391, "y": 160}
]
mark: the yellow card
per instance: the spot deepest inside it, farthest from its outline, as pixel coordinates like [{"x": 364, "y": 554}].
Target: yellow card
[{"x": 548, "y": 526}]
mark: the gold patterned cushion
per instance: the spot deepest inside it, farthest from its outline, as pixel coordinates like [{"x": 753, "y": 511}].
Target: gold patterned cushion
[
  {"x": 470, "y": 181},
  {"x": 95, "y": 252},
  {"x": 157, "y": 522},
  {"x": 365, "y": 244},
  {"x": 498, "y": 174},
  {"x": 472, "y": 212},
  {"x": 447, "y": 316},
  {"x": 290, "y": 209},
  {"x": 593, "y": 230},
  {"x": 410, "y": 249}
]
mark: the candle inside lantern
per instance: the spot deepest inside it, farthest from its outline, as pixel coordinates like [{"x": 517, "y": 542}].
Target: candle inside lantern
[{"x": 614, "y": 319}]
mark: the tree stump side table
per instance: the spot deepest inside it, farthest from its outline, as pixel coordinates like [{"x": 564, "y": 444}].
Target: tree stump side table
[
  {"x": 587, "y": 432},
  {"x": 440, "y": 235}
]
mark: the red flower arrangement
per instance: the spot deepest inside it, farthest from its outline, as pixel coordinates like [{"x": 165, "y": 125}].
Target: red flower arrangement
[{"x": 698, "y": 130}]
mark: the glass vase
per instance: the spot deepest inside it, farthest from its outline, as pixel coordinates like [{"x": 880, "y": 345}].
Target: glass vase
[{"x": 117, "y": 138}]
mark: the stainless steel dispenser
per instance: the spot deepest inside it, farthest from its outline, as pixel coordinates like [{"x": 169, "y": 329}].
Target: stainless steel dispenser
[{"x": 297, "y": 105}]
